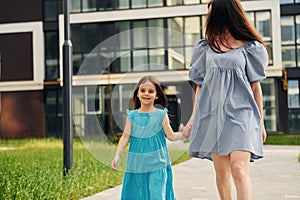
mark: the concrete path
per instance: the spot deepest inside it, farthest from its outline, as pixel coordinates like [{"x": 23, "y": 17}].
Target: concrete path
[{"x": 275, "y": 177}]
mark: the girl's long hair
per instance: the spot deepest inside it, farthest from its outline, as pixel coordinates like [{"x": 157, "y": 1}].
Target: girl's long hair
[
  {"x": 228, "y": 15},
  {"x": 162, "y": 99}
]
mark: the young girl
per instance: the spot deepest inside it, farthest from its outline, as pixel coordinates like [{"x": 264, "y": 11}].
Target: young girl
[{"x": 148, "y": 173}]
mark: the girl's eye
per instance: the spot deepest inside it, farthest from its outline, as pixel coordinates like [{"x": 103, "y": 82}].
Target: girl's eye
[
  {"x": 151, "y": 91},
  {"x": 142, "y": 90}
]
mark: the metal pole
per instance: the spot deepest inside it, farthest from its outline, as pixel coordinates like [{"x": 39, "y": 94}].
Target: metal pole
[{"x": 67, "y": 92}]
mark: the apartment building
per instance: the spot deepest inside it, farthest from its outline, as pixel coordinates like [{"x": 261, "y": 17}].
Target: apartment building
[{"x": 115, "y": 42}]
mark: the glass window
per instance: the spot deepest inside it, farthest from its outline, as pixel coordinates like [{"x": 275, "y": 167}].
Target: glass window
[
  {"x": 298, "y": 53},
  {"x": 192, "y": 28},
  {"x": 50, "y": 10},
  {"x": 60, "y": 102},
  {"x": 176, "y": 58},
  {"x": 298, "y": 29},
  {"x": 93, "y": 96},
  {"x": 75, "y": 5},
  {"x": 90, "y": 38},
  {"x": 263, "y": 25},
  {"x": 288, "y": 56},
  {"x": 191, "y": 2},
  {"x": 188, "y": 56},
  {"x": 287, "y": 30},
  {"x": 138, "y": 3},
  {"x": 157, "y": 59},
  {"x": 125, "y": 62},
  {"x": 250, "y": 16},
  {"x": 294, "y": 118},
  {"x": 175, "y": 37},
  {"x": 104, "y": 4},
  {"x": 140, "y": 60},
  {"x": 76, "y": 37},
  {"x": 121, "y": 4},
  {"x": 293, "y": 94},
  {"x": 205, "y": 1},
  {"x": 78, "y": 100},
  {"x": 52, "y": 71},
  {"x": 126, "y": 95},
  {"x": 155, "y": 3},
  {"x": 294, "y": 105},
  {"x": 51, "y": 44},
  {"x": 288, "y": 41},
  {"x": 89, "y": 5},
  {"x": 139, "y": 34},
  {"x": 269, "y": 103},
  {"x": 77, "y": 60},
  {"x": 105, "y": 31},
  {"x": 51, "y": 55},
  {"x": 286, "y": 1},
  {"x": 203, "y": 19},
  {"x": 123, "y": 40},
  {"x": 156, "y": 36},
  {"x": 174, "y": 2},
  {"x": 51, "y": 102},
  {"x": 90, "y": 64}
]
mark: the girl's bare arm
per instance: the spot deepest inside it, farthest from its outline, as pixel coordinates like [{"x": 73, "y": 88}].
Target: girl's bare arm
[{"x": 169, "y": 131}]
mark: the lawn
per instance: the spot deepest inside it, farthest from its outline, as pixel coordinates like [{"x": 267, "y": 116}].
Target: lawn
[
  {"x": 283, "y": 139},
  {"x": 32, "y": 169}
]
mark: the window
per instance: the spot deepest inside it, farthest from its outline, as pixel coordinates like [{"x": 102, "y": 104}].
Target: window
[
  {"x": 289, "y": 1},
  {"x": 144, "y": 45},
  {"x": 294, "y": 105},
  {"x": 138, "y": 3},
  {"x": 51, "y": 55},
  {"x": 93, "y": 100},
  {"x": 269, "y": 104},
  {"x": 262, "y": 21},
  {"x": 290, "y": 40},
  {"x": 263, "y": 25},
  {"x": 53, "y": 106},
  {"x": 293, "y": 94}
]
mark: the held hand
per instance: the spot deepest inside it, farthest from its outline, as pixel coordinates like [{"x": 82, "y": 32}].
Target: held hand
[
  {"x": 187, "y": 131},
  {"x": 114, "y": 163}
]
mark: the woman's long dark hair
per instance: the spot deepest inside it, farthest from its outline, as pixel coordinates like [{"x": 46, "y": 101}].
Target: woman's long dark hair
[
  {"x": 161, "y": 97},
  {"x": 228, "y": 15}
]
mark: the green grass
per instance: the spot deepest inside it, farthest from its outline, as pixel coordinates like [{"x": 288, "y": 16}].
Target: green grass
[
  {"x": 34, "y": 170},
  {"x": 283, "y": 140}
]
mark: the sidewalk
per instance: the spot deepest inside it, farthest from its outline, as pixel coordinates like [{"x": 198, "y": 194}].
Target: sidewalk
[{"x": 275, "y": 177}]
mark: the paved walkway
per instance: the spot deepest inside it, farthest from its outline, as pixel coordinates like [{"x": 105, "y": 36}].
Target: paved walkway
[{"x": 275, "y": 177}]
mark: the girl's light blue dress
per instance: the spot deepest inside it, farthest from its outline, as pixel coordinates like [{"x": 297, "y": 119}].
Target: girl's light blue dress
[
  {"x": 148, "y": 173},
  {"x": 227, "y": 116}
]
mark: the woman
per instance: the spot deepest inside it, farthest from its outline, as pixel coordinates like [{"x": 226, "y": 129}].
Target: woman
[{"x": 226, "y": 125}]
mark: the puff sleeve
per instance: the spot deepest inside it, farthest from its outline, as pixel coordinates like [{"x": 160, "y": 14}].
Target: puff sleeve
[
  {"x": 198, "y": 62},
  {"x": 256, "y": 61}
]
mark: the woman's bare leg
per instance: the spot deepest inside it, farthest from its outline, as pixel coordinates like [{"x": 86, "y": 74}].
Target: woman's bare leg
[
  {"x": 240, "y": 169},
  {"x": 223, "y": 176}
]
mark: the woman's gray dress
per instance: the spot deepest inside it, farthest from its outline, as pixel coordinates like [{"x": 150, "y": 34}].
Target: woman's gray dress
[{"x": 227, "y": 117}]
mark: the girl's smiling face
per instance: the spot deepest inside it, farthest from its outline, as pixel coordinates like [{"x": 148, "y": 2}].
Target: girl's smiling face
[{"x": 147, "y": 93}]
